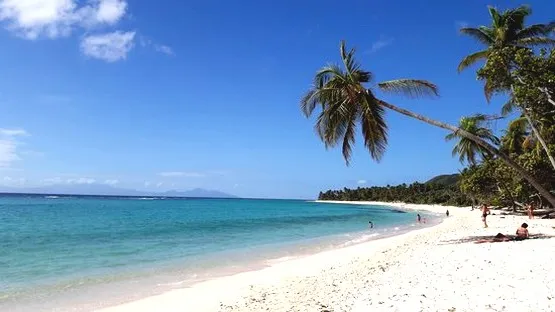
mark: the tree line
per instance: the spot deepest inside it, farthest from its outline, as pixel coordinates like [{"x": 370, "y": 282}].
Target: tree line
[{"x": 511, "y": 169}]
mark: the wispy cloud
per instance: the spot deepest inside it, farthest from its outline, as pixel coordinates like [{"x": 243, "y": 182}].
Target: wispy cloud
[
  {"x": 13, "y": 132},
  {"x": 9, "y": 181},
  {"x": 111, "y": 182},
  {"x": 380, "y": 44},
  {"x": 361, "y": 182},
  {"x": 182, "y": 174},
  {"x": 81, "y": 181},
  {"x": 161, "y": 48},
  {"x": 110, "y": 47},
  {"x": 164, "y": 49},
  {"x": 9, "y": 146}
]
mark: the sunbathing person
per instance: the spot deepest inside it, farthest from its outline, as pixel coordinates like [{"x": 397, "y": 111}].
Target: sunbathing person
[{"x": 521, "y": 234}]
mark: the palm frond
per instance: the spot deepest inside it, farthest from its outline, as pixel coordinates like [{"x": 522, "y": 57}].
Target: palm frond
[
  {"x": 374, "y": 127},
  {"x": 410, "y": 87},
  {"x": 479, "y": 34},
  {"x": 488, "y": 90},
  {"x": 535, "y": 41},
  {"x": 495, "y": 16},
  {"x": 508, "y": 107},
  {"x": 515, "y": 18},
  {"x": 471, "y": 59},
  {"x": 533, "y": 31},
  {"x": 349, "y": 139},
  {"x": 451, "y": 136}
]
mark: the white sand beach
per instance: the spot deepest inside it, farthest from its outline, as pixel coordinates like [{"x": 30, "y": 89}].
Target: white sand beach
[{"x": 439, "y": 268}]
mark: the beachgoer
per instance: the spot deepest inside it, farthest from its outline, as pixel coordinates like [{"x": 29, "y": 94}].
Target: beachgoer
[
  {"x": 447, "y": 212},
  {"x": 418, "y": 218},
  {"x": 531, "y": 211},
  {"x": 485, "y": 212},
  {"x": 522, "y": 232},
  {"x": 371, "y": 224}
]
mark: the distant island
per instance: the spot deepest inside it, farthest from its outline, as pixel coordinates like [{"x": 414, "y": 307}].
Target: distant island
[
  {"x": 442, "y": 189},
  {"x": 107, "y": 190}
]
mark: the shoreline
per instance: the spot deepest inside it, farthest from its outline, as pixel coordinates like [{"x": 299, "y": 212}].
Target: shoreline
[
  {"x": 286, "y": 267},
  {"x": 437, "y": 268}
]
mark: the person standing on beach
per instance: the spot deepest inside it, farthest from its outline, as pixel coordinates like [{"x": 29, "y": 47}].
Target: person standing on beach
[
  {"x": 531, "y": 211},
  {"x": 418, "y": 218},
  {"x": 447, "y": 213},
  {"x": 485, "y": 212}
]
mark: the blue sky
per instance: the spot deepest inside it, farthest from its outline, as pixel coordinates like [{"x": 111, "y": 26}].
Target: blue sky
[{"x": 159, "y": 95}]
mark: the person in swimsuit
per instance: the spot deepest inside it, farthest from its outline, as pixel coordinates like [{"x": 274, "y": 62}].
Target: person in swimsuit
[
  {"x": 522, "y": 232},
  {"x": 447, "y": 213},
  {"x": 371, "y": 224},
  {"x": 418, "y": 218},
  {"x": 531, "y": 211},
  {"x": 485, "y": 212}
]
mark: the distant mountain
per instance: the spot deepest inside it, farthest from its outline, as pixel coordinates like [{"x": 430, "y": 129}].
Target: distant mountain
[
  {"x": 445, "y": 179},
  {"x": 103, "y": 189},
  {"x": 198, "y": 192}
]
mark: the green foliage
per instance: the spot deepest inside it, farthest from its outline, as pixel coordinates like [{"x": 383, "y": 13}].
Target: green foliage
[{"x": 416, "y": 193}]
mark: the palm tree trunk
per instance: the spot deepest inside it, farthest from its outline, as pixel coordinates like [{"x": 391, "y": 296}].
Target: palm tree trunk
[
  {"x": 533, "y": 126},
  {"x": 490, "y": 148},
  {"x": 539, "y": 137}
]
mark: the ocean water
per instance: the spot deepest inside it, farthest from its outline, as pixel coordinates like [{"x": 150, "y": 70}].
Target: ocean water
[{"x": 67, "y": 252}]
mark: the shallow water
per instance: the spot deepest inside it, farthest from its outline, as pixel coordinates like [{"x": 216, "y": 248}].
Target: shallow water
[{"x": 62, "y": 251}]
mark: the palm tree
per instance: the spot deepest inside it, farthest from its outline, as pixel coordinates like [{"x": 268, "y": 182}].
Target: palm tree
[
  {"x": 346, "y": 103},
  {"x": 515, "y": 136},
  {"x": 467, "y": 149},
  {"x": 507, "y": 29}
]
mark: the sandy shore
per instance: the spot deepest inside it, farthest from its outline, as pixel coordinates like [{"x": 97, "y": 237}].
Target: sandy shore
[{"x": 431, "y": 269}]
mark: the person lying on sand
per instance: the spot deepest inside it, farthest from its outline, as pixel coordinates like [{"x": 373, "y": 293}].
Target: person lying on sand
[{"x": 521, "y": 234}]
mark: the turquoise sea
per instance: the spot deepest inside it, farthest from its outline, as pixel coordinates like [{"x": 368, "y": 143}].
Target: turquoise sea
[{"x": 62, "y": 252}]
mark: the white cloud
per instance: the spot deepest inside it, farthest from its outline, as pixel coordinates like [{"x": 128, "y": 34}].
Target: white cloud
[
  {"x": 111, "y": 182},
  {"x": 110, "y": 47},
  {"x": 182, "y": 174},
  {"x": 8, "y": 146},
  {"x": 147, "y": 183},
  {"x": 110, "y": 11},
  {"x": 81, "y": 181},
  {"x": 380, "y": 44},
  {"x": 361, "y": 182},
  {"x": 159, "y": 184},
  {"x": 164, "y": 49},
  {"x": 57, "y": 18}
]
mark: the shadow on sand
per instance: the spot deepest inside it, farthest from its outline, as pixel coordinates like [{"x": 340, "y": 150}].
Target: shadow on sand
[{"x": 492, "y": 239}]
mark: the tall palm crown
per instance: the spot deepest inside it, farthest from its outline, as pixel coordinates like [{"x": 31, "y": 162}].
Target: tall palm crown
[
  {"x": 467, "y": 149},
  {"x": 507, "y": 29},
  {"x": 347, "y": 103}
]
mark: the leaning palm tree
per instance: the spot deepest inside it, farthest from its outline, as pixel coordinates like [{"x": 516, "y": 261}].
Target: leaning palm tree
[
  {"x": 467, "y": 149},
  {"x": 507, "y": 29},
  {"x": 347, "y": 103}
]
